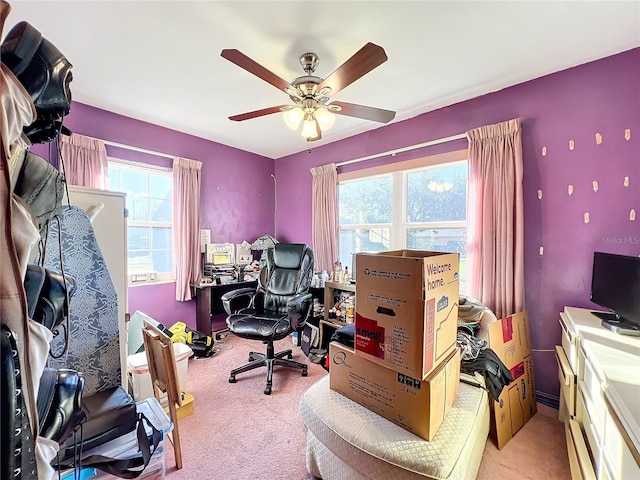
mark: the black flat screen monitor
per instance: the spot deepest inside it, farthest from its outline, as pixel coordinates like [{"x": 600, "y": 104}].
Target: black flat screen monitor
[{"x": 615, "y": 285}]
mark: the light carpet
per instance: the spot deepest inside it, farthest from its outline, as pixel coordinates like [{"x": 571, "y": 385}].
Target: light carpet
[{"x": 238, "y": 433}]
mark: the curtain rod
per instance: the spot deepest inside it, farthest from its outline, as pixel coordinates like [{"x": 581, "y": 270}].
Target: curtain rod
[
  {"x": 404, "y": 149},
  {"x": 129, "y": 147}
]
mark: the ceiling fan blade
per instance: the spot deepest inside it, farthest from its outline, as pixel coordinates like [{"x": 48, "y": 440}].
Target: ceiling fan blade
[
  {"x": 362, "y": 62},
  {"x": 251, "y": 66},
  {"x": 362, "y": 111},
  {"x": 257, "y": 113}
]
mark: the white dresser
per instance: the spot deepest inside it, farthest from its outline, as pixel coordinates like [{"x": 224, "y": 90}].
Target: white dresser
[{"x": 599, "y": 374}]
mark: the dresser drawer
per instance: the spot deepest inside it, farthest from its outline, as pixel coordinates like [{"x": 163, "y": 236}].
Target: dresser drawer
[
  {"x": 569, "y": 341},
  {"x": 592, "y": 431},
  {"x": 617, "y": 455},
  {"x": 590, "y": 383},
  {"x": 606, "y": 473},
  {"x": 579, "y": 461},
  {"x": 567, "y": 379}
]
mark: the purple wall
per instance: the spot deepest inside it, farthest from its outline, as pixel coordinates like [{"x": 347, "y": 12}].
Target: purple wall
[
  {"x": 600, "y": 97},
  {"x": 237, "y": 191}
]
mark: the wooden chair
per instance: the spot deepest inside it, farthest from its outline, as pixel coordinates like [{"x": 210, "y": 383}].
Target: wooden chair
[{"x": 164, "y": 377}]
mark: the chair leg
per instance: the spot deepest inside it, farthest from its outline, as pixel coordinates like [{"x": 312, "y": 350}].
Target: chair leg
[
  {"x": 257, "y": 363},
  {"x": 292, "y": 364},
  {"x": 269, "y": 360}
]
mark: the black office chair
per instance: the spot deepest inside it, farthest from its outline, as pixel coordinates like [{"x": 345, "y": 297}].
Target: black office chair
[{"x": 279, "y": 306}]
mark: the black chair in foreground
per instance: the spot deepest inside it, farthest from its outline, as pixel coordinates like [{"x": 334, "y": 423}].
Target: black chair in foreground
[{"x": 280, "y": 305}]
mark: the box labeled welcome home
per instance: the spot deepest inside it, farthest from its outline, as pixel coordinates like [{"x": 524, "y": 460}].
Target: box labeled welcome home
[
  {"x": 511, "y": 341},
  {"x": 416, "y": 405},
  {"x": 407, "y": 309}
]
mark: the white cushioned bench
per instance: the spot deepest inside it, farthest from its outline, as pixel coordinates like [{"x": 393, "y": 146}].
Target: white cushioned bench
[{"x": 345, "y": 441}]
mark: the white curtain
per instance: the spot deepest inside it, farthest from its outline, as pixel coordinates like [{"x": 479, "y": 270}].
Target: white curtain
[
  {"x": 495, "y": 223},
  {"x": 84, "y": 161},
  {"x": 186, "y": 225},
  {"x": 324, "y": 216}
]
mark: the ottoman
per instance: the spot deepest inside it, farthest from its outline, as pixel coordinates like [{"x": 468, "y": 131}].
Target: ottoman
[{"x": 347, "y": 441}]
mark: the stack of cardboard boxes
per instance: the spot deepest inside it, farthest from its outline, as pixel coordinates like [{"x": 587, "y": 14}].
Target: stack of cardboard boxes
[
  {"x": 405, "y": 365},
  {"x": 510, "y": 339}
]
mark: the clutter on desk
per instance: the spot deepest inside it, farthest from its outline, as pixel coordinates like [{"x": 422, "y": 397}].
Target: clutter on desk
[
  {"x": 243, "y": 253},
  {"x": 226, "y": 274},
  {"x": 264, "y": 243},
  {"x": 220, "y": 254},
  {"x": 226, "y": 263}
]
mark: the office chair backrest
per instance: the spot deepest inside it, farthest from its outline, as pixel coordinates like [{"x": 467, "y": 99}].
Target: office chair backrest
[{"x": 287, "y": 273}]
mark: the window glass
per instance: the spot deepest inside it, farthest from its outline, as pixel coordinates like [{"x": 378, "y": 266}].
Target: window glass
[
  {"x": 138, "y": 238},
  {"x": 422, "y": 209},
  {"x": 161, "y": 238},
  {"x": 161, "y": 261},
  {"x": 138, "y": 262},
  {"x": 138, "y": 208},
  {"x": 366, "y": 201},
  {"x": 362, "y": 240},
  {"x": 161, "y": 210},
  {"x": 135, "y": 183},
  {"x": 161, "y": 186},
  {"x": 437, "y": 194},
  {"x": 150, "y": 217}
]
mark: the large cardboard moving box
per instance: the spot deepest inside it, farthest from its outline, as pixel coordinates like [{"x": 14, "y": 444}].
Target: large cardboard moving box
[
  {"x": 407, "y": 309},
  {"x": 510, "y": 339},
  {"x": 417, "y": 405}
]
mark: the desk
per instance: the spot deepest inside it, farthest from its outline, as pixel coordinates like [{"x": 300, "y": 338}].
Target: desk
[{"x": 209, "y": 302}]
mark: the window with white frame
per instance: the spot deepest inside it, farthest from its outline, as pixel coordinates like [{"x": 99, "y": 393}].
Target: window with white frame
[
  {"x": 421, "y": 208},
  {"x": 149, "y": 192}
]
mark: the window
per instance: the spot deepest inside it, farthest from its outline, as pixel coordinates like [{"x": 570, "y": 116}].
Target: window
[
  {"x": 416, "y": 207},
  {"x": 149, "y": 224}
]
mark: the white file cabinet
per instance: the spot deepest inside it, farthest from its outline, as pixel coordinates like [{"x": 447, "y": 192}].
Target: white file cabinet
[{"x": 599, "y": 373}]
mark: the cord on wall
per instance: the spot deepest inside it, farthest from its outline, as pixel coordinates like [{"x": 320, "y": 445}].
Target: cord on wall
[{"x": 275, "y": 205}]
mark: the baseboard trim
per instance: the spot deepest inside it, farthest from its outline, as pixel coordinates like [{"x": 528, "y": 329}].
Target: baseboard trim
[{"x": 548, "y": 400}]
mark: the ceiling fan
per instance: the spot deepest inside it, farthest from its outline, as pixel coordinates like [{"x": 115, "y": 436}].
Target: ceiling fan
[{"x": 311, "y": 95}]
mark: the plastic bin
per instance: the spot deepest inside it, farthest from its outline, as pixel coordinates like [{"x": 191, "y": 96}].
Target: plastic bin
[
  {"x": 140, "y": 379},
  {"x": 127, "y": 445}
]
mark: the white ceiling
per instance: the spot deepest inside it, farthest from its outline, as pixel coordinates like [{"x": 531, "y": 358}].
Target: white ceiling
[{"x": 159, "y": 61}]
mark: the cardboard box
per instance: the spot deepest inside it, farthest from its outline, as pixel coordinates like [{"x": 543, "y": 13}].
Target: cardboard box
[
  {"x": 407, "y": 309},
  {"x": 187, "y": 407},
  {"x": 418, "y": 406},
  {"x": 510, "y": 339}
]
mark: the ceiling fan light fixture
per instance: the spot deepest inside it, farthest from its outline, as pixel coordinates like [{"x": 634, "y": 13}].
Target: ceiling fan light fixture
[
  {"x": 292, "y": 92},
  {"x": 309, "y": 129},
  {"x": 292, "y": 117},
  {"x": 325, "y": 118},
  {"x": 324, "y": 91}
]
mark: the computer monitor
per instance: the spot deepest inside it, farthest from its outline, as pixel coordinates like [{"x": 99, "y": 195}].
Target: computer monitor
[{"x": 615, "y": 286}]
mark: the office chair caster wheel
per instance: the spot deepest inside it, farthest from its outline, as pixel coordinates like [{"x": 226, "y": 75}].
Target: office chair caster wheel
[
  {"x": 267, "y": 390},
  {"x": 304, "y": 373},
  {"x": 232, "y": 379}
]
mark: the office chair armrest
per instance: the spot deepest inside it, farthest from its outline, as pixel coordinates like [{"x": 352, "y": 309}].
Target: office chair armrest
[
  {"x": 237, "y": 299},
  {"x": 299, "y": 308}
]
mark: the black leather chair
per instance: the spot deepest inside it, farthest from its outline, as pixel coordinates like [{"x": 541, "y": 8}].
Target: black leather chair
[{"x": 280, "y": 305}]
